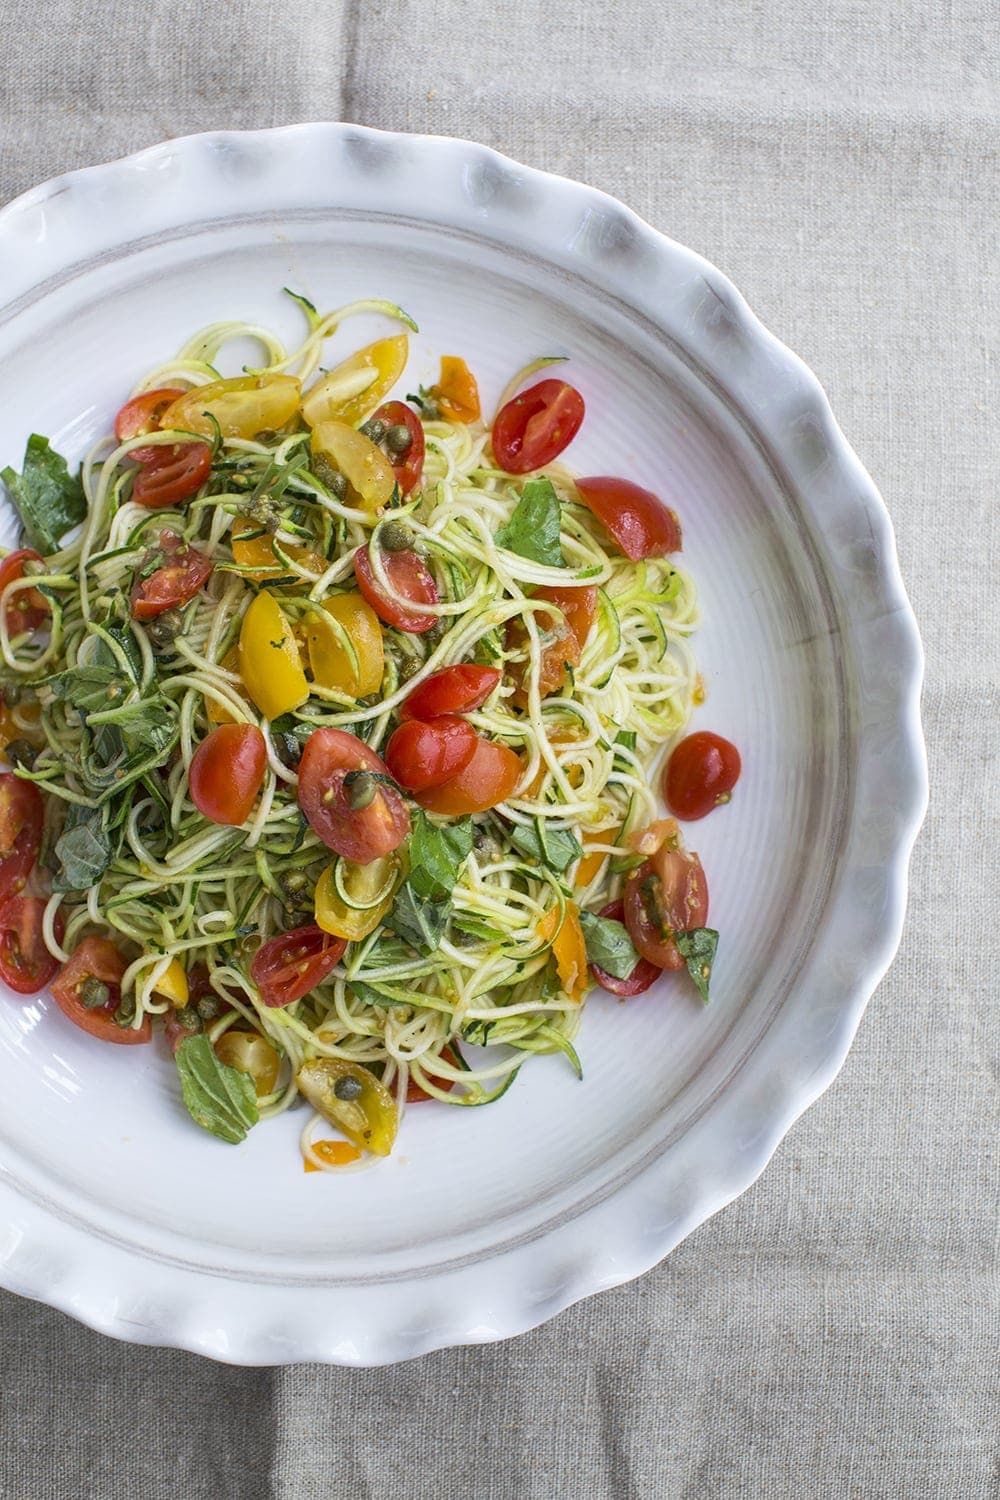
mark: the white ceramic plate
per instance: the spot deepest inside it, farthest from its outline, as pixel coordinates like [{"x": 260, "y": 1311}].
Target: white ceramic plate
[{"x": 114, "y": 1206}]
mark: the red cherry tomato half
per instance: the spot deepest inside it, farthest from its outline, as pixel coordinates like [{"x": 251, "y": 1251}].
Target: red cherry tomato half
[
  {"x": 25, "y": 962},
  {"x": 414, "y": 1093},
  {"x": 412, "y": 582},
  {"x": 700, "y": 774},
  {"x": 409, "y": 466},
  {"x": 641, "y": 977},
  {"x": 488, "y": 779},
  {"x": 26, "y": 609},
  {"x": 226, "y": 773},
  {"x": 423, "y": 753},
  {"x": 292, "y": 964},
  {"x": 185, "y": 570},
  {"x": 453, "y": 690},
  {"x": 535, "y": 427},
  {"x": 356, "y": 814},
  {"x": 565, "y": 646},
  {"x": 668, "y": 893},
  {"x": 96, "y": 958},
  {"x": 22, "y": 815},
  {"x": 637, "y": 519},
  {"x": 173, "y": 473},
  {"x": 141, "y": 415}
]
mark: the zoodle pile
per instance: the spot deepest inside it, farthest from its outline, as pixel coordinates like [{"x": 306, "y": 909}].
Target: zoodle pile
[{"x": 330, "y": 721}]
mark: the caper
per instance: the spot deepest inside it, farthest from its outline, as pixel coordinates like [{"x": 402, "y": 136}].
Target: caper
[
  {"x": 94, "y": 993},
  {"x": 332, "y": 478},
  {"x": 162, "y": 630},
  {"x": 294, "y": 885},
  {"x": 395, "y": 537},
  {"x": 209, "y": 1007},
  {"x": 374, "y": 428},
  {"x": 408, "y": 667},
  {"x": 12, "y": 694},
  {"x": 125, "y": 1013},
  {"x": 21, "y": 753},
  {"x": 347, "y": 1089},
  {"x": 359, "y": 788},
  {"x": 399, "y": 439},
  {"x": 188, "y": 1020}
]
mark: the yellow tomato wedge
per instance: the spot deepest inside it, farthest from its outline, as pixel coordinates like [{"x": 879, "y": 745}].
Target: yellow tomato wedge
[
  {"x": 353, "y": 389},
  {"x": 344, "y": 640},
  {"x": 254, "y": 551},
  {"x": 249, "y": 1052},
  {"x": 363, "y": 465},
  {"x": 353, "y": 1099},
  {"x": 173, "y": 985},
  {"x": 270, "y": 664},
  {"x": 457, "y": 393},
  {"x": 591, "y": 863},
  {"x": 215, "y": 711},
  {"x": 242, "y": 407},
  {"x": 568, "y": 947},
  {"x": 351, "y": 899},
  {"x": 334, "y": 1153}
]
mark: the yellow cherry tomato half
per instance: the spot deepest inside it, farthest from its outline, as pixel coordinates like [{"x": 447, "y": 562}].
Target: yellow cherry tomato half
[
  {"x": 244, "y": 406},
  {"x": 344, "y": 640},
  {"x": 353, "y": 389},
  {"x": 250, "y": 1053},
  {"x": 568, "y": 948},
  {"x": 352, "y": 899},
  {"x": 270, "y": 664},
  {"x": 173, "y": 985},
  {"x": 353, "y": 1099},
  {"x": 363, "y": 465}
]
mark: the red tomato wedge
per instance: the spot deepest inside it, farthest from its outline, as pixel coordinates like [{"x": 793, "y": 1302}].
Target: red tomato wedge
[
  {"x": 22, "y": 815},
  {"x": 453, "y": 690},
  {"x": 347, "y": 803},
  {"x": 411, "y": 581},
  {"x": 567, "y": 639},
  {"x": 174, "y": 473},
  {"x": 409, "y": 466},
  {"x": 488, "y": 779},
  {"x": 700, "y": 774},
  {"x": 142, "y": 415},
  {"x": 25, "y": 962},
  {"x": 26, "y": 609},
  {"x": 641, "y": 977},
  {"x": 185, "y": 570},
  {"x": 535, "y": 427},
  {"x": 226, "y": 773},
  {"x": 637, "y": 519},
  {"x": 668, "y": 893},
  {"x": 424, "y": 753},
  {"x": 292, "y": 964},
  {"x": 96, "y": 958}
]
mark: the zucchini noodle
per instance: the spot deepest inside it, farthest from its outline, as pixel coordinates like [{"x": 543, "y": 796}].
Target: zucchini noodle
[{"x": 457, "y": 1020}]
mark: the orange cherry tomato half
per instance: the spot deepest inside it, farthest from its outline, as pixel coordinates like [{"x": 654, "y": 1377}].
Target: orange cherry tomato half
[
  {"x": 25, "y": 962},
  {"x": 183, "y": 572},
  {"x": 535, "y": 427},
  {"x": 292, "y": 964},
  {"x": 641, "y": 977},
  {"x": 488, "y": 779},
  {"x": 96, "y": 958},
  {"x": 410, "y": 578},
  {"x": 22, "y": 815},
  {"x": 27, "y": 608},
  {"x": 422, "y": 753},
  {"x": 414, "y": 1093},
  {"x": 700, "y": 774},
  {"x": 347, "y": 803},
  {"x": 141, "y": 415},
  {"x": 668, "y": 893},
  {"x": 453, "y": 690},
  {"x": 226, "y": 773},
  {"x": 173, "y": 473},
  {"x": 568, "y": 637},
  {"x": 457, "y": 393},
  {"x": 408, "y": 467},
  {"x": 637, "y": 519}
]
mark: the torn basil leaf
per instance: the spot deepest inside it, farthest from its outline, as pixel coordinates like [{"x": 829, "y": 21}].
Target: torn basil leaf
[
  {"x": 84, "y": 853},
  {"x": 437, "y": 853},
  {"x": 608, "y": 945},
  {"x": 220, "y": 1099},
  {"x": 48, "y": 499},
  {"x": 555, "y": 848},
  {"x": 697, "y": 948},
  {"x": 533, "y": 528},
  {"x": 419, "y": 923}
]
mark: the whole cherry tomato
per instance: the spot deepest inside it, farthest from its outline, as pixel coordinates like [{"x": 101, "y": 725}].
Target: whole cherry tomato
[
  {"x": 489, "y": 779},
  {"x": 343, "y": 793},
  {"x": 423, "y": 753},
  {"x": 641, "y": 977},
  {"x": 97, "y": 960},
  {"x": 407, "y": 462},
  {"x": 700, "y": 774},
  {"x": 27, "y": 608},
  {"x": 637, "y": 519},
  {"x": 292, "y": 964},
  {"x": 25, "y": 962},
  {"x": 183, "y": 571},
  {"x": 412, "y": 582},
  {"x": 173, "y": 473},
  {"x": 535, "y": 427},
  {"x": 453, "y": 690},
  {"x": 226, "y": 773}
]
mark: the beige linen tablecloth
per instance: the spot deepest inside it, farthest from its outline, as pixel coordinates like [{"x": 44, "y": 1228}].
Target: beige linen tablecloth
[{"x": 833, "y": 1333}]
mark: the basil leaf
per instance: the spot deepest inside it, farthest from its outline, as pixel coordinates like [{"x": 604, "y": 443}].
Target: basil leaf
[
  {"x": 437, "y": 853},
  {"x": 147, "y": 724},
  {"x": 553, "y": 847},
  {"x": 48, "y": 499},
  {"x": 608, "y": 945},
  {"x": 220, "y": 1099},
  {"x": 533, "y": 529},
  {"x": 84, "y": 852},
  {"x": 697, "y": 948},
  {"x": 419, "y": 923},
  {"x": 89, "y": 689}
]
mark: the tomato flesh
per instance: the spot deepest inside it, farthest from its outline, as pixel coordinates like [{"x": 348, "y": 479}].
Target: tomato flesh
[
  {"x": 534, "y": 427},
  {"x": 637, "y": 519},
  {"x": 410, "y": 577},
  {"x": 22, "y": 815},
  {"x": 142, "y": 415},
  {"x": 409, "y": 466},
  {"x": 96, "y": 958},
  {"x": 668, "y": 893},
  {"x": 173, "y": 473},
  {"x": 185, "y": 570},
  {"x": 27, "y": 609},
  {"x": 424, "y": 753},
  {"x": 700, "y": 774},
  {"x": 565, "y": 645},
  {"x": 641, "y": 977},
  {"x": 26, "y": 965},
  {"x": 414, "y": 1093},
  {"x": 359, "y": 817},
  {"x": 292, "y": 964},
  {"x": 453, "y": 690},
  {"x": 226, "y": 773},
  {"x": 489, "y": 779}
]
